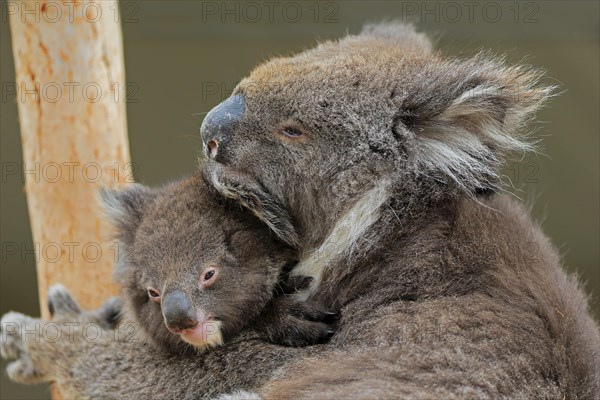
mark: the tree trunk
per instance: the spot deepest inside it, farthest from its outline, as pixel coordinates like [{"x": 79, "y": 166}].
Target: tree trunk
[
  {"x": 70, "y": 91},
  {"x": 70, "y": 84}
]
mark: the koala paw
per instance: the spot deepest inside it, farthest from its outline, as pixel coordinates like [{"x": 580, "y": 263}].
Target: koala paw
[
  {"x": 10, "y": 342},
  {"x": 108, "y": 315},
  {"x": 23, "y": 371},
  {"x": 61, "y": 303},
  {"x": 63, "y": 306},
  {"x": 293, "y": 323},
  {"x": 17, "y": 329}
]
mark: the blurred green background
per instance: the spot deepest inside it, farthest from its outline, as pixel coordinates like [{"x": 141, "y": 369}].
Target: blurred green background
[{"x": 184, "y": 57}]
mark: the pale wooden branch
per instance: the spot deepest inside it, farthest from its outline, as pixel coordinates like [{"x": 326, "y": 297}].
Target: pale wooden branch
[{"x": 70, "y": 85}]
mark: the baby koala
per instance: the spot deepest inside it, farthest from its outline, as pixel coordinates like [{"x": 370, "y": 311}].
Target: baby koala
[{"x": 196, "y": 269}]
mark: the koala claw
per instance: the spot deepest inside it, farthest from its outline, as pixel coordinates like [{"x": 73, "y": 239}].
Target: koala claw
[
  {"x": 293, "y": 323},
  {"x": 330, "y": 317},
  {"x": 312, "y": 312},
  {"x": 61, "y": 303},
  {"x": 310, "y": 324}
]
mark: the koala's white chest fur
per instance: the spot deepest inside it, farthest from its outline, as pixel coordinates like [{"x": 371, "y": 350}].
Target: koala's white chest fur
[{"x": 345, "y": 234}]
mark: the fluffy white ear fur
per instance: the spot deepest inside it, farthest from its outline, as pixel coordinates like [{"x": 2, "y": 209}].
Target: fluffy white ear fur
[
  {"x": 469, "y": 113},
  {"x": 468, "y": 141}
]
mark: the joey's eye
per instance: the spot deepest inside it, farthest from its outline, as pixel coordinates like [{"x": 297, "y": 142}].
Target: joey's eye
[
  {"x": 290, "y": 132},
  {"x": 154, "y": 294},
  {"x": 209, "y": 276}
]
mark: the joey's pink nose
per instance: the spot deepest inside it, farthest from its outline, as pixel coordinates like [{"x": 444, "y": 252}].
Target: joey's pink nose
[{"x": 178, "y": 326}]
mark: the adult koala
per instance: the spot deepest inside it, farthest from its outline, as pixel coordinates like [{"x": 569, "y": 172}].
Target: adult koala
[{"x": 387, "y": 156}]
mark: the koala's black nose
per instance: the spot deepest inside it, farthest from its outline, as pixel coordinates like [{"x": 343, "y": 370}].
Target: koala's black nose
[
  {"x": 178, "y": 312},
  {"x": 219, "y": 124}
]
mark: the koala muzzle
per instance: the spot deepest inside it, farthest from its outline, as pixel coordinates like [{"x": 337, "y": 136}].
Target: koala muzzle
[
  {"x": 178, "y": 313},
  {"x": 219, "y": 124}
]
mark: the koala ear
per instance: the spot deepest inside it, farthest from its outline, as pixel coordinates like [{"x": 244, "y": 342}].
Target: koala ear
[
  {"x": 125, "y": 207},
  {"x": 249, "y": 193},
  {"x": 464, "y": 125}
]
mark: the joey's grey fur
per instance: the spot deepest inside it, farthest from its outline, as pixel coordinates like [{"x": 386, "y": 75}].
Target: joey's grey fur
[
  {"x": 172, "y": 237},
  {"x": 447, "y": 289}
]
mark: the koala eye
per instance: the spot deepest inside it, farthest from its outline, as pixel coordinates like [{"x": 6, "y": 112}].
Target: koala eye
[
  {"x": 209, "y": 276},
  {"x": 291, "y": 132},
  {"x": 154, "y": 294}
]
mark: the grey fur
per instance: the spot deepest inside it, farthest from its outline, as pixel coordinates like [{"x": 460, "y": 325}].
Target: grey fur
[
  {"x": 449, "y": 294},
  {"x": 170, "y": 235}
]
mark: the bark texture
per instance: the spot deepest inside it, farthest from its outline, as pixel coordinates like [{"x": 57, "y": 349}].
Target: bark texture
[{"x": 70, "y": 84}]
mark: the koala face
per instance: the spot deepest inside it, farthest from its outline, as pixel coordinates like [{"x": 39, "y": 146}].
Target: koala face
[
  {"x": 195, "y": 269},
  {"x": 321, "y": 128}
]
